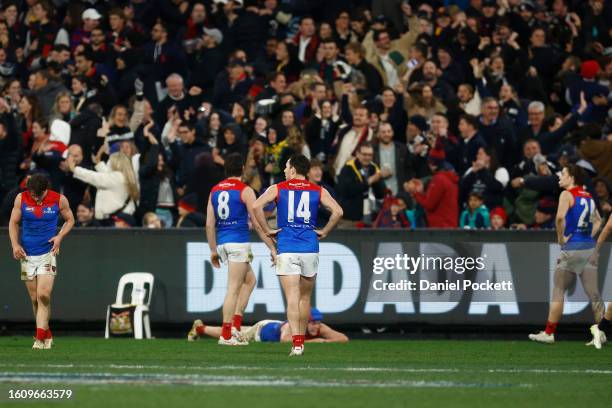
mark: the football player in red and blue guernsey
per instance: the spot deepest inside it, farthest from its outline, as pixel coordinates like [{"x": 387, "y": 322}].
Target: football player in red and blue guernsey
[
  {"x": 577, "y": 224},
  {"x": 37, "y": 246},
  {"x": 227, "y": 231},
  {"x": 297, "y": 203}
]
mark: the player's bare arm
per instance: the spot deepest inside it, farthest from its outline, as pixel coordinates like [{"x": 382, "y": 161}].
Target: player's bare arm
[
  {"x": 211, "y": 236},
  {"x": 248, "y": 196},
  {"x": 267, "y": 197},
  {"x": 565, "y": 202},
  {"x": 336, "y": 213},
  {"x": 18, "y": 251},
  {"x": 330, "y": 335},
  {"x": 68, "y": 217}
]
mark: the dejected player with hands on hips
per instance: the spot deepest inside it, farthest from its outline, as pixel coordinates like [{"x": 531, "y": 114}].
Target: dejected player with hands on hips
[
  {"x": 37, "y": 245},
  {"x": 297, "y": 202}
]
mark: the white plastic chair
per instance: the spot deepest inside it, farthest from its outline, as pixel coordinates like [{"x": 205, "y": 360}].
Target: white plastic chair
[{"x": 140, "y": 298}]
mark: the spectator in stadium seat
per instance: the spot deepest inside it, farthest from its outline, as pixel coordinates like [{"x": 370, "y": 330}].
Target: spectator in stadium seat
[
  {"x": 184, "y": 150},
  {"x": 603, "y": 197},
  {"x": 231, "y": 85},
  {"x": 151, "y": 220},
  {"x": 386, "y": 55},
  {"x": 393, "y": 159},
  {"x": 392, "y": 217},
  {"x": 73, "y": 189},
  {"x": 487, "y": 178},
  {"x": 499, "y": 218},
  {"x": 420, "y": 100},
  {"x": 440, "y": 201},
  {"x": 349, "y": 138},
  {"x": 232, "y": 141},
  {"x": 355, "y": 56},
  {"x": 306, "y": 41},
  {"x": 472, "y": 141},
  {"x": 392, "y": 111},
  {"x": 287, "y": 62},
  {"x": 321, "y": 128},
  {"x": 469, "y": 99},
  {"x": 116, "y": 183},
  {"x": 357, "y": 177},
  {"x": 497, "y": 131},
  {"x": 46, "y": 88},
  {"x": 177, "y": 97},
  {"x": 549, "y": 134},
  {"x": 476, "y": 215},
  {"x": 85, "y": 217}
]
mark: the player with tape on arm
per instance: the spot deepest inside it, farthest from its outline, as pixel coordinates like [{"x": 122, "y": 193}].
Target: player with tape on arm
[{"x": 297, "y": 202}]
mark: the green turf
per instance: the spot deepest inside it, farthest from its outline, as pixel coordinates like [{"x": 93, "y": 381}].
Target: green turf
[{"x": 174, "y": 373}]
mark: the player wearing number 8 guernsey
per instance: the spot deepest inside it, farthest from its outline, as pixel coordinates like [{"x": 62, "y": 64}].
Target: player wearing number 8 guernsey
[
  {"x": 297, "y": 202},
  {"x": 577, "y": 223},
  {"x": 227, "y": 231}
]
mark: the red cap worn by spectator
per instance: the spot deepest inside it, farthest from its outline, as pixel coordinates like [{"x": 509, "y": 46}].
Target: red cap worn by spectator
[
  {"x": 589, "y": 69},
  {"x": 499, "y": 211}
]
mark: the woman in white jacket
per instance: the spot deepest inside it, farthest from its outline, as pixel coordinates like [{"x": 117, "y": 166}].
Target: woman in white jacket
[{"x": 115, "y": 182}]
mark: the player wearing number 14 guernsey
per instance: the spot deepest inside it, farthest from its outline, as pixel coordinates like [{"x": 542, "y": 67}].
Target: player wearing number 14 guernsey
[
  {"x": 577, "y": 223},
  {"x": 297, "y": 203}
]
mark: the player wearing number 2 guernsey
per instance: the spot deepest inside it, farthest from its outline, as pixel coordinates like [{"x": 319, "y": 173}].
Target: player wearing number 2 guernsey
[
  {"x": 297, "y": 202},
  {"x": 227, "y": 231},
  {"x": 577, "y": 223}
]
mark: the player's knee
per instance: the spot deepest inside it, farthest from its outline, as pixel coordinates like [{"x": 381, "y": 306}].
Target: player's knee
[
  {"x": 44, "y": 298},
  {"x": 34, "y": 300}
]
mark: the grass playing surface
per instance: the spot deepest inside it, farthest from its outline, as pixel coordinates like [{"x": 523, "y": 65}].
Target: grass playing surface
[{"x": 175, "y": 373}]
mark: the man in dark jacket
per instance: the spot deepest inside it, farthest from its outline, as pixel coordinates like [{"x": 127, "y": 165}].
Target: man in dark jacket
[
  {"x": 184, "y": 153},
  {"x": 393, "y": 158},
  {"x": 498, "y": 132},
  {"x": 355, "y": 56},
  {"x": 356, "y": 179},
  {"x": 231, "y": 85},
  {"x": 471, "y": 142}
]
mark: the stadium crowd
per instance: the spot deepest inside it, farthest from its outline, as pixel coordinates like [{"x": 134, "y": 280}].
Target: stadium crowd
[{"x": 435, "y": 114}]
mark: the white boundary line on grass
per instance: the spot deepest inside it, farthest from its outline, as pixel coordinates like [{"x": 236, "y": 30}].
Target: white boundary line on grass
[
  {"x": 220, "y": 380},
  {"x": 307, "y": 368}
]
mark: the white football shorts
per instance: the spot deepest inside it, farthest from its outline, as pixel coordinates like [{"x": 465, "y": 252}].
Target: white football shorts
[
  {"x": 304, "y": 264},
  {"x": 34, "y": 265},
  {"x": 235, "y": 252}
]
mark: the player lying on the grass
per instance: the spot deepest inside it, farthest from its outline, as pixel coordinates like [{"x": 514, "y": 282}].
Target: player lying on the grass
[
  {"x": 577, "y": 223},
  {"x": 599, "y": 330},
  {"x": 37, "y": 246},
  {"x": 227, "y": 231},
  {"x": 297, "y": 203},
  {"x": 276, "y": 331}
]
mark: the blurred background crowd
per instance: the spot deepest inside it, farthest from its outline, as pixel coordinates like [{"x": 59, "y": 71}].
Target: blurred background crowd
[{"x": 415, "y": 114}]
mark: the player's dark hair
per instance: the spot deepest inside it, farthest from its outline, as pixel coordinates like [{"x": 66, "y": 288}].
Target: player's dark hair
[
  {"x": 233, "y": 165},
  {"x": 577, "y": 173},
  {"x": 37, "y": 184},
  {"x": 300, "y": 163}
]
